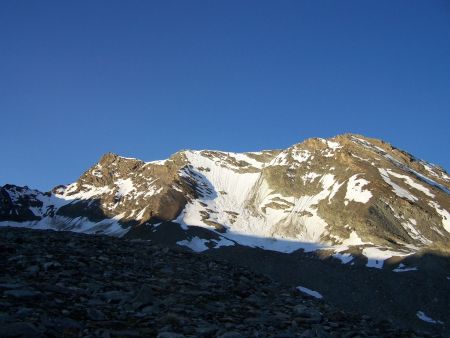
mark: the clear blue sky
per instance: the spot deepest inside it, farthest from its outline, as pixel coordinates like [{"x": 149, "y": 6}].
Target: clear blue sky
[{"x": 147, "y": 78}]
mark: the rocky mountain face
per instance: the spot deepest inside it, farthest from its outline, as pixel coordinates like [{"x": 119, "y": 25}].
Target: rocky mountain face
[
  {"x": 315, "y": 215},
  {"x": 348, "y": 196}
]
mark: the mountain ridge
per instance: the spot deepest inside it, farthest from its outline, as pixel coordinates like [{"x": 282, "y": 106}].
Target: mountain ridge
[{"x": 347, "y": 195}]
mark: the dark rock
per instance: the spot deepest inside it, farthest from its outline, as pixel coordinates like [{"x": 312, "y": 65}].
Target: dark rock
[
  {"x": 19, "y": 329},
  {"x": 231, "y": 334},
  {"x": 19, "y": 293},
  {"x": 113, "y": 296},
  {"x": 11, "y": 285},
  {"x": 207, "y": 331},
  {"x": 201, "y": 298},
  {"x": 170, "y": 335},
  {"x": 94, "y": 314},
  {"x": 144, "y": 297}
]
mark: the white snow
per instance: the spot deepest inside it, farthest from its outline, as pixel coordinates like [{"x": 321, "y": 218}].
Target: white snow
[
  {"x": 403, "y": 268},
  {"x": 253, "y": 221},
  {"x": 87, "y": 192},
  {"x": 297, "y": 156},
  {"x": 300, "y": 155},
  {"x": 444, "y": 213},
  {"x": 429, "y": 181},
  {"x": 157, "y": 162},
  {"x": 334, "y": 189},
  {"x": 343, "y": 257},
  {"x": 399, "y": 191},
  {"x": 245, "y": 158},
  {"x": 310, "y": 177},
  {"x": 353, "y": 240},
  {"x": 356, "y": 191},
  {"x": 125, "y": 186},
  {"x": 310, "y": 292},
  {"x": 409, "y": 226},
  {"x": 198, "y": 244},
  {"x": 334, "y": 145},
  {"x": 408, "y": 180},
  {"x": 360, "y": 158},
  {"x": 140, "y": 215},
  {"x": 223, "y": 242},
  {"x": 109, "y": 226},
  {"x": 195, "y": 244},
  {"x": 97, "y": 173},
  {"x": 376, "y": 256},
  {"x": 402, "y": 166},
  {"x": 422, "y": 316}
]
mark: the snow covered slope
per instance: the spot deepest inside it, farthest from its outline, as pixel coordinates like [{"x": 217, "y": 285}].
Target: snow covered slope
[{"x": 347, "y": 196}]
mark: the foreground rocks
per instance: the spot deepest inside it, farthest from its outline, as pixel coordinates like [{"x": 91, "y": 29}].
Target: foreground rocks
[{"x": 66, "y": 284}]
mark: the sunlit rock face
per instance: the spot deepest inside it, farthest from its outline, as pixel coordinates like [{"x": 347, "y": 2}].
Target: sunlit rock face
[{"x": 349, "y": 195}]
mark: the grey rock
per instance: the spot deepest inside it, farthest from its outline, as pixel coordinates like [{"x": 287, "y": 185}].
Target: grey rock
[
  {"x": 231, "y": 334},
  {"x": 186, "y": 303},
  {"x": 319, "y": 332},
  {"x": 167, "y": 334},
  {"x": 94, "y": 314},
  {"x": 61, "y": 323},
  {"x": 19, "y": 329},
  {"x": 144, "y": 297},
  {"x": 32, "y": 269},
  {"x": 113, "y": 296},
  {"x": 125, "y": 333},
  {"x": 207, "y": 330},
  {"x": 303, "y": 311},
  {"x": 19, "y": 293},
  {"x": 23, "y": 312},
  {"x": 51, "y": 265},
  {"x": 11, "y": 285}
]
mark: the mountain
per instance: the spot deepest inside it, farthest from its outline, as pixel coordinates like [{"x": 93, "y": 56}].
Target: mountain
[
  {"x": 353, "y": 218},
  {"x": 349, "y": 197}
]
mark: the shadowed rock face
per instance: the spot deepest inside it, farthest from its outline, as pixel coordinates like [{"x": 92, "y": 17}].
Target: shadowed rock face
[
  {"x": 65, "y": 284},
  {"x": 350, "y": 193}
]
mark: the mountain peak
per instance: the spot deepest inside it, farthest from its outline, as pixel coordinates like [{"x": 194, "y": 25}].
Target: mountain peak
[{"x": 351, "y": 194}]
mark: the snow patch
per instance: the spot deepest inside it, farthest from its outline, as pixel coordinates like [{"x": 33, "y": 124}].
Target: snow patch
[
  {"x": 343, "y": 257},
  {"x": 195, "y": 244},
  {"x": 408, "y": 180},
  {"x": 310, "y": 177},
  {"x": 125, "y": 186},
  {"x": 422, "y": 316},
  {"x": 353, "y": 240},
  {"x": 403, "y": 268},
  {"x": 376, "y": 256},
  {"x": 444, "y": 213},
  {"x": 223, "y": 242},
  {"x": 309, "y": 292},
  {"x": 355, "y": 191},
  {"x": 409, "y": 226},
  {"x": 398, "y": 190},
  {"x": 333, "y": 145}
]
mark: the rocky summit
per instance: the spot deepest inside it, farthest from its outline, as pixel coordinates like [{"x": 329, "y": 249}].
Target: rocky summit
[
  {"x": 63, "y": 284},
  {"x": 347, "y": 196},
  {"x": 349, "y": 218}
]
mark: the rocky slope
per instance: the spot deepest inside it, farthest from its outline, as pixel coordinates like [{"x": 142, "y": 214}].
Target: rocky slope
[
  {"x": 316, "y": 214},
  {"x": 56, "y": 284},
  {"x": 349, "y": 196}
]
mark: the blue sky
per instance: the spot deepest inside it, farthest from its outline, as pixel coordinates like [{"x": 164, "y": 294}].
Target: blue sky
[{"x": 147, "y": 78}]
